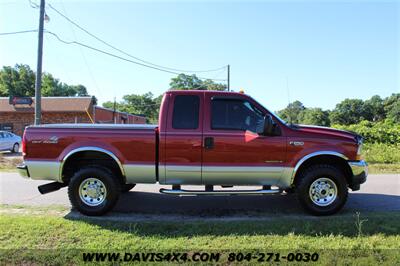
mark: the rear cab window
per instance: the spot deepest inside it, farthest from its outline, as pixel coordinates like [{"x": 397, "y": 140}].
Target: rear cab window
[{"x": 186, "y": 112}]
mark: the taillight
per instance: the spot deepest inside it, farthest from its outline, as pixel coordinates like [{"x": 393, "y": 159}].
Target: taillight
[{"x": 24, "y": 144}]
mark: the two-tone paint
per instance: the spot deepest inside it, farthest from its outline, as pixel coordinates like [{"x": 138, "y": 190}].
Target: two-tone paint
[{"x": 160, "y": 153}]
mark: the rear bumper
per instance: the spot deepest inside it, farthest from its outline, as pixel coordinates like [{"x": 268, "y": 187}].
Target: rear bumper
[
  {"x": 360, "y": 173},
  {"x": 23, "y": 170},
  {"x": 40, "y": 170}
]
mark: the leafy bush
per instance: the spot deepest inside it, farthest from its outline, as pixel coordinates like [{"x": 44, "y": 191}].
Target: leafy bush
[
  {"x": 376, "y": 132},
  {"x": 381, "y": 153}
]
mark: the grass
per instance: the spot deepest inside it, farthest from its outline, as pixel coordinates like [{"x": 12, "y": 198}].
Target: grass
[
  {"x": 9, "y": 164},
  {"x": 384, "y": 168},
  {"x": 367, "y": 238}
]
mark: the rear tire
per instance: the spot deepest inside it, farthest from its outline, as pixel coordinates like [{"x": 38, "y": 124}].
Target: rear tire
[
  {"x": 93, "y": 191},
  {"x": 127, "y": 187},
  {"x": 322, "y": 189}
]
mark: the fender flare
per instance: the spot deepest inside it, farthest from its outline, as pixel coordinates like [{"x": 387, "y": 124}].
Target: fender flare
[
  {"x": 311, "y": 155},
  {"x": 90, "y": 148}
]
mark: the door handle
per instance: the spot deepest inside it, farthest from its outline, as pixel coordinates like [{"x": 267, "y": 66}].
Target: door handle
[{"x": 208, "y": 143}]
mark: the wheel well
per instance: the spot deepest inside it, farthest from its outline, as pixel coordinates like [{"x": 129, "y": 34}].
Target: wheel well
[
  {"x": 333, "y": 160},
  {"x": 94, "y": 158}
]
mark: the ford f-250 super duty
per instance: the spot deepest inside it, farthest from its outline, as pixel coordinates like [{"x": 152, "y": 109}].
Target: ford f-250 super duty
[{"x": 205, "y": 138}]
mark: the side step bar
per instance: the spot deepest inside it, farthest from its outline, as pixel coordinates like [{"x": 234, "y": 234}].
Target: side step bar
[{"x": 183, "y": 192}]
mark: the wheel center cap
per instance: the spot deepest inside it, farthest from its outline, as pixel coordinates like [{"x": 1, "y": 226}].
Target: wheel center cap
[{"x": 92, "y": 192}]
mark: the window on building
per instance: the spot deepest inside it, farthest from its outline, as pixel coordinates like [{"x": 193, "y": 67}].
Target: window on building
[
  {"x": 186, "y": 112},
  {"x": 235, "y": 114}
]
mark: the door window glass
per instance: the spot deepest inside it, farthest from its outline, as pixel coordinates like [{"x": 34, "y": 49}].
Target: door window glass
[{"x": 232, "y": 114}]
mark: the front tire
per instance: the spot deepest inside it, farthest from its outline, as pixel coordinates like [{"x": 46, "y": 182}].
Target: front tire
[
  {"x": 93, "y": 191},
  {"x": 322, "y": 189}
]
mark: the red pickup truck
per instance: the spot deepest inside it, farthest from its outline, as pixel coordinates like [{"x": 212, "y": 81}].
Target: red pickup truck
[{"x": 206, "y": 138}]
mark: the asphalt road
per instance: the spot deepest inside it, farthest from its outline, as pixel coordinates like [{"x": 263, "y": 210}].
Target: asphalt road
[{"x": 380, "y": 193}]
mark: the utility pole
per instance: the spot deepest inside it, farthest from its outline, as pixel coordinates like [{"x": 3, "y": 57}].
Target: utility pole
[
  {"x": 229, "y": 78},
  {"x": 38, "y": 84}
]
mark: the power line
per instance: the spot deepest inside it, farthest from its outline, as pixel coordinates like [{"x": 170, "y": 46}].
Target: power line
[
  {"x": 83, "y": 55},
  {"x": 32, "y": 4},
  {"x": 127, "y": 54},
  {"x": 17, "y": 32},
  {"x": 119, "y": 57}
]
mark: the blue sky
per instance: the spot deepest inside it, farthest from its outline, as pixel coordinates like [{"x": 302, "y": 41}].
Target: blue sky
[{"x": 328, "y": 51}]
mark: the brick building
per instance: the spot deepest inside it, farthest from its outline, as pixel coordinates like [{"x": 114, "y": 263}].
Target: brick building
[{"x": 60, "y": 110}]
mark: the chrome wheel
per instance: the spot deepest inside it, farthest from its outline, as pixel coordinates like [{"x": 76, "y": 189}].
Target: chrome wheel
[
  {"x": 92, "y": 191},
  {"x": 323, "y": 191}
]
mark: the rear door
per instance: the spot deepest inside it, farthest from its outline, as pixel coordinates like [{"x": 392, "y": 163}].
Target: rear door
[
  {"x": 183, "y": 140},
  {"x": 233, "y": 151}
]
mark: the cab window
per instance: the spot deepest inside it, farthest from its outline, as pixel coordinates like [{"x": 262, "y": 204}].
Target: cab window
[
  {"x": 235, "y": 114},
  {"x": 186, "y": 112}
]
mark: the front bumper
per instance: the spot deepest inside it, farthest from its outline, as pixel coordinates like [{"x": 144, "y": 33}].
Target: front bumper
[
  {"x": 23, "y": 170},
  {"x": 360, "y": 172}
]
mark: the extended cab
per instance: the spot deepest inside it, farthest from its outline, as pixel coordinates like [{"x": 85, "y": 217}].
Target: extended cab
[{"x": 207, "y": 138}]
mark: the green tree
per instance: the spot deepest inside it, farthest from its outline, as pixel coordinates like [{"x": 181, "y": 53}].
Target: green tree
[
  {"x": 53, "y": 87},
  {"x": 186, "y": 82},
  {"x": 80, "y": 90},
  {"x": 144, "y": 104},
  {"x": 391, "y": 106},
  {"x": 213, "y": 86},
  {"x": 314, "y": 116},
  {"x": 375, "y": 107},
  {"x": 350, "y": 111},
  {"x": 394, "y": 112},
  {"x": 50, "y": 85},
  {"x": 20, "y": 81},
  {"x": 17, "y": 81},
  {"x": 192, "y": 82},
  {"x": 292, "y": 112}
]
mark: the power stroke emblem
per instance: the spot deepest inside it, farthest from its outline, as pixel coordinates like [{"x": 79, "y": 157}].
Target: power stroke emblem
[{"x": 51, "y": 140}]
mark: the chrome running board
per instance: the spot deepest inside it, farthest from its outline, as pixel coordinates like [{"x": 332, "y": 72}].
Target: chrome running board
[{"x": 183, "y": 192}]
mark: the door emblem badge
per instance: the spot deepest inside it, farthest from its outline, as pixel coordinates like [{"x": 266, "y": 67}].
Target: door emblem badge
[{"x": 296, "y": 143}]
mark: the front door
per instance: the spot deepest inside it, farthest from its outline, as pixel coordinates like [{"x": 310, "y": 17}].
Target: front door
[{"x": 233, "y": 152}]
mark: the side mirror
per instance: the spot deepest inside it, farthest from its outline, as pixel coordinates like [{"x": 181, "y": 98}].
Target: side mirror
[{"x": 268, "y": 126}]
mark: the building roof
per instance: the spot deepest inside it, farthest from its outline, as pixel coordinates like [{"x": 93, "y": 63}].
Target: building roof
[{"x": 49, "y": 104}]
